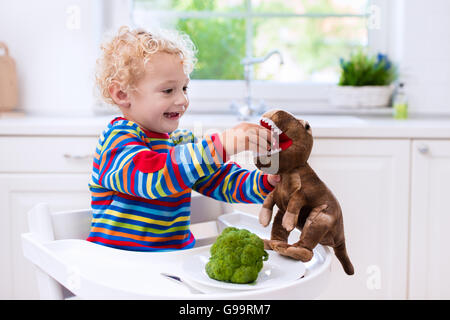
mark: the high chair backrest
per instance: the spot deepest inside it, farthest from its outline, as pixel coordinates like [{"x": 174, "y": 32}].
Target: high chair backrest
[
  {"x": 75, "y": 224},
  {"x": 49, "y": 226}
]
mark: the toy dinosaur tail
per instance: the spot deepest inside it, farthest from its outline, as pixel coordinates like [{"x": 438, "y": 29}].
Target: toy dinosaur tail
[{"x": 341, "y": 253}]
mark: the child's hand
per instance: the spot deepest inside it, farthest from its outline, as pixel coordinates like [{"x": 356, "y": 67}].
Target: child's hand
[
  {"x": 247, "y": 136},
  {"x": 273, "y": 179}
]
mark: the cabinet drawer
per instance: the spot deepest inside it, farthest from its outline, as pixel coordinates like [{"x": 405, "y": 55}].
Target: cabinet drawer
[{"x": 47, "y": 154}]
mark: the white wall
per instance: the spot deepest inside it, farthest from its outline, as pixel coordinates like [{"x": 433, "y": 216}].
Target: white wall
[
  {"x": 55, "y": 59},
  {"x": 420, "y": 41}
]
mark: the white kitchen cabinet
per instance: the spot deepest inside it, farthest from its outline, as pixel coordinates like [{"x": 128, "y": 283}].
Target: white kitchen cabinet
[
  {"x": 47, "y": 154},
  {"x": 370, "y": 178},
  {"x": 429, "y": 267},
  {"x": 18, "y": 194},
  {"x": 55, "y": 170}
]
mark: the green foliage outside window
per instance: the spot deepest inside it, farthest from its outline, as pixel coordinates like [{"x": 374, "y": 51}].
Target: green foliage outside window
[
  {"x": 220, "y": 44},
  {"x": 220, "y": 41},
  {"x": 311, "y": 46}
]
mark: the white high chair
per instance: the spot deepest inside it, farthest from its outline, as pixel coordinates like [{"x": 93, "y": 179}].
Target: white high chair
[{"x": 68, "y": 266}]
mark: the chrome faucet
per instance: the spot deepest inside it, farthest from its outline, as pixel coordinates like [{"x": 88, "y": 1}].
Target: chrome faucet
[{"x": 248, "y": 109}]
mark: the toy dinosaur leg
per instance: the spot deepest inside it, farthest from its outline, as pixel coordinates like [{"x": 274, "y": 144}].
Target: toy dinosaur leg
[
  {"x": 295, "y": 204},
  {"x": 279, "y": 235},
  {"x": 265, "y": 214},
  {"x": 316, "y": 227}
]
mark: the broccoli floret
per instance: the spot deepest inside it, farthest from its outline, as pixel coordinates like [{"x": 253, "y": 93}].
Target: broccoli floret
[{"x": 237, "y": 256}]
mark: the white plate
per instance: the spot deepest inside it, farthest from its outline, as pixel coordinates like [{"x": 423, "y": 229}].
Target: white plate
[{"x": 277, "y": 270}]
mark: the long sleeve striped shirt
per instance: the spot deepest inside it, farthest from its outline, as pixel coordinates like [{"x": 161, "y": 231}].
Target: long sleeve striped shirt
[{"x": 141, "y": 185}]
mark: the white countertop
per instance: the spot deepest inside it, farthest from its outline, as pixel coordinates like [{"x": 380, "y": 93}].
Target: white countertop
[{"x": 323, "y": 126}]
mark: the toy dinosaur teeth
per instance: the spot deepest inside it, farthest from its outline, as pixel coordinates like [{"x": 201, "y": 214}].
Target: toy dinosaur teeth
[
  {"x": 275, "y": 151},
  {"x": 270, "y": 125},
  {"x": 283, "y": 141}
]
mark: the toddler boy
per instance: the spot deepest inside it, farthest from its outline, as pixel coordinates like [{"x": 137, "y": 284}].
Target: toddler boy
[{"x": 145, "y": 167}]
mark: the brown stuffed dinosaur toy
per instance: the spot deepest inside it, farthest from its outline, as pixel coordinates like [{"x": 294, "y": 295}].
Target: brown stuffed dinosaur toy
[{"x": 303, "y": 200}]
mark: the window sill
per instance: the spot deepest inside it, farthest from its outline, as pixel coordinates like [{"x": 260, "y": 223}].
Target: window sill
[
  {"x": 213, "y": 108},
  {"x": 215, "y": 96}
]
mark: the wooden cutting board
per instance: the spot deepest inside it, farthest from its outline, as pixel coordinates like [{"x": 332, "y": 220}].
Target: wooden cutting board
[{"x": 8, "y": 80}]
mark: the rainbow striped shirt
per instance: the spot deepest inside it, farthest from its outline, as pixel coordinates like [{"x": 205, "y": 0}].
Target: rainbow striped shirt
[{"x": 141, "y": 185}]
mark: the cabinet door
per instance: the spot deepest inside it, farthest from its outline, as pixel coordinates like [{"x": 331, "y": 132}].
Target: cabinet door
[
  {"x": 18, "y": 194},
  {"x": 429, "y": 276},
  {"x": 370, "y": 179}
]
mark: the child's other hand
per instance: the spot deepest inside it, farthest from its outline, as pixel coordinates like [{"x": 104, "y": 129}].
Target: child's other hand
[
  {"x": 247, "y": 136},
  {"x": 273, "y": 179}
]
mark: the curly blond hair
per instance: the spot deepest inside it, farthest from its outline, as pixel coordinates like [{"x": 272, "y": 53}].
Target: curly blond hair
[{"x": 124, "y": 57}]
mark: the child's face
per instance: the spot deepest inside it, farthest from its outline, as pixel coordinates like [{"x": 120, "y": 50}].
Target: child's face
[{"x": 161, "y": 96}]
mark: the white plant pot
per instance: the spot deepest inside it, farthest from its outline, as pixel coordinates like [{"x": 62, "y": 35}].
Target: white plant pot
[{"x": 361, "y": 97}]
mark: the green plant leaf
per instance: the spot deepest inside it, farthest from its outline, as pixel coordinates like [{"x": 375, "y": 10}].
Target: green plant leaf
[{"x": 364, "y": 70}]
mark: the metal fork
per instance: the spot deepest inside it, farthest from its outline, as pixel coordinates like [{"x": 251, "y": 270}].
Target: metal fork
[{"x": 179, "y": 280}]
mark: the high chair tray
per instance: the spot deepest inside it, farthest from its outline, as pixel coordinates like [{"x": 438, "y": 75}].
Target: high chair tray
[{"x": 93, "y": 271}]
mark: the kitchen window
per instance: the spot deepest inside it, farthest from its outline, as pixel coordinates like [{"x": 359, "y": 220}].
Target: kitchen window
[{"x": 310, "y": 34}]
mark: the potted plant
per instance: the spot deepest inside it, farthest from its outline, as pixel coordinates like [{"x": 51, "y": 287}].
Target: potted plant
[{"x": 365, "y": 82}]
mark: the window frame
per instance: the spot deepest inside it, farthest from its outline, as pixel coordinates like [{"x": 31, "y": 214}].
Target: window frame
[{"x": 297, "y": 97}]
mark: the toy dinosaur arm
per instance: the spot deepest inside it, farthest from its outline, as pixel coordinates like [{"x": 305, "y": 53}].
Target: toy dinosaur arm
[
  {"x": 295, "y": 204},
  {"x": 265, "y": 214}
]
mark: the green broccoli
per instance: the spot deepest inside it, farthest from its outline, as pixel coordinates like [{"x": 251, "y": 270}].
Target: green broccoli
[{"x": 237, "y": 256}]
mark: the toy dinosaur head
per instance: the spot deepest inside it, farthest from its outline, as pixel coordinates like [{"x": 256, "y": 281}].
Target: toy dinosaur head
[{"x": 293, "y": 145}]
